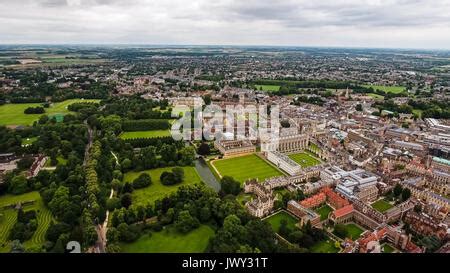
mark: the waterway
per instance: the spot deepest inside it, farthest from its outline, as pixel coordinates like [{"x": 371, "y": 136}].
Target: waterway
[{"x": 206, "y": 175}]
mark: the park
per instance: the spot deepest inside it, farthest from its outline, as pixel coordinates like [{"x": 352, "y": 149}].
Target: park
[
  {"x": 156, "y": 190},
  {"x": 170, "y": 241},
  {"x": 8, "y": 217},
  {"x": 13, "y": 113}
]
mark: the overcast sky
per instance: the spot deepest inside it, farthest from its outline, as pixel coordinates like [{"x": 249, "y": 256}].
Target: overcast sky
[{"x": 358, "y": 23}]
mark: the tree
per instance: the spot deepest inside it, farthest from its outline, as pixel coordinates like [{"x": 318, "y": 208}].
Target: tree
[
  {"x": 144, "y": 180},
  {"x": 25, "y": 163},
  {"x": 113, "y": 203},
  {"x": 187, "y": 156},
  {"x": 340, "y": 231},
  {"x": 18, "y": 185},
  {"x": 60, "y": 201},
  {"x": 178, "y": 174},
  {"x": 230, "y": 186},
  {"x": 203, "y": 149},
  {"x": 397, "y": 190},
  {"x": 406, "y": 194},
  {"x": 17, "y": 247},
  {"x": 126, "y": 200},
  {"x": 185, "y": 222},
  {"x": 359, "y": 107}
]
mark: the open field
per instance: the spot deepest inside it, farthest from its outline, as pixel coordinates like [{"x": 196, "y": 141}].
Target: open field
[
  {"x": 12, "y": 114},
  {"x": 324, "y": 211},
  {"x": 326, "y": 246},
  {"x": 7, "y": 221},
  {"x": 245, "y": 167},
  {"x": 170, "y": 241},
  {"x": 275, "y": 220},
  {"x": 387, "y": 89},
  {"x": 157, "y": 190},
  {"x": 304, "y": 160},
  {"x": 381, "y": 205},
  {"x": 269, "y": 88},
  {"x": 145, "y": 134}
]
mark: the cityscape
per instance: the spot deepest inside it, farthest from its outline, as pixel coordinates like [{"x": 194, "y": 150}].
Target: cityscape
[{"x": 284, "y": 148}]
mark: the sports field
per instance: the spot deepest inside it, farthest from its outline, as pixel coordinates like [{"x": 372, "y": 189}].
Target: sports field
[
  {"x": 269, "y": 88},
  {"x": 304, "y": 160},
  {"x": 145, "y": 134},
  {"x": 12, "y": 113},
  {"x": 245, "y": 167},
  {"x": 157, "y": 190},
  {"x": 381, "y": 205},
  {"x": 387, "y": 89},
  {"x": 170, "y": 241},
  {"x": 8, "y": 218},
  {"x": 275, "y": 220}
]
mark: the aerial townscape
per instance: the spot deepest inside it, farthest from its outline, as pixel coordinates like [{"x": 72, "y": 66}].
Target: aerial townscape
[
  {"x": 360, "y": 163},
  {"x": 225, "y": 135}
]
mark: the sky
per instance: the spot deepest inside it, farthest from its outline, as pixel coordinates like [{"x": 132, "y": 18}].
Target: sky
[{"x": 341, "y": 23}]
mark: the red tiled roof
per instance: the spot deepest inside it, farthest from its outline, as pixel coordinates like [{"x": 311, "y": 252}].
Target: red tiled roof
[{"x": 343, "y": 211}]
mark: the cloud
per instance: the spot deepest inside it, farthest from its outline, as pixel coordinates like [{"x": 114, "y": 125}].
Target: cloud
[{"x": 393, "y": 23}]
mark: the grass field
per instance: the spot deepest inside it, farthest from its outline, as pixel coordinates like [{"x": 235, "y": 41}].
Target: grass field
[
  {"x": 353, "y": 231},
  {"x": 245, "y": 167},
  {"x": 170, "y": 241},
  {"x": 7, "y": 221},
  {"x": 145, "y": 134},
  {"x": 157, "y": 190},
  {"x": 387, "y": 248},
  {"x": 375, "y": 96},
  {"x": 275, "y": 220},
  {"x": 387, "y": 89},
  {"x": 269, "y": 88},
  {"x": 326, "y": 246},
  {"x": 12, "y": 114},
  {"x": 324, "y": 211},
  {"x": 381, "y": 205},
  {"x": 304, "y": 160}
]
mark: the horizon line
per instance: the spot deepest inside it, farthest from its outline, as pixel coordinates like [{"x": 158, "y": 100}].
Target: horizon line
[{"x": 221, "y": 45}]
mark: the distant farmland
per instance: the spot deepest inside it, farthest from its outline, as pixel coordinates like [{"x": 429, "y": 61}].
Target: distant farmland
[{"x": 387, "y": 89}]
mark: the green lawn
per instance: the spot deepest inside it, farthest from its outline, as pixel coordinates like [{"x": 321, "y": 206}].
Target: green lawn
[
  {"x": 145, "y": 134},
  {"x": 324, "y": 211},
  {"x": 9, "y": 217},
  {"x": 387, "y": 89},
  {"x": 12, "y": 114},
  {"x": 243, "y": 198},
  {"x": 245, "y": 167},
  {"x": 304, "y": 160},
  {"x": 170, "y": 241},
  {"x": 28, "y": 141},
  {"x": 157, "y": 190},
  {"x": 381, "y": 205},
  {"x": 269, "y": 88},
  {"x": 275, "y": 220},
  {"x": 353, "y": 231},
  {"x": 326, "y": 246},
  {"x": 375, "y": 96},
  {"x": 387, "y": 248}
]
